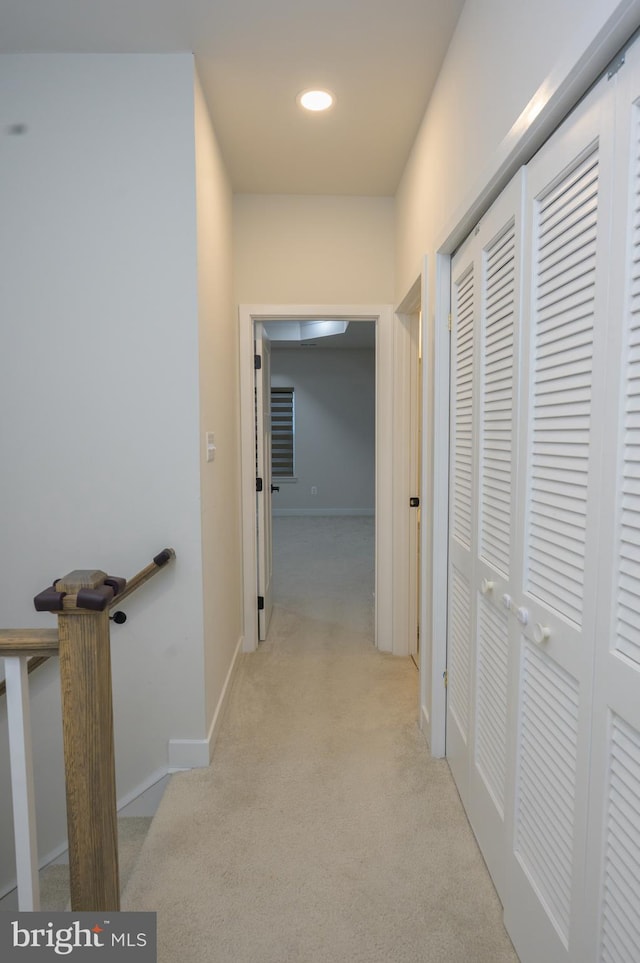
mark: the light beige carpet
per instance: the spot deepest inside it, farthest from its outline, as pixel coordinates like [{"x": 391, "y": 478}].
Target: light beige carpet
[
  {"x": 54, "y": 879},
  {"x": 322, "y": 832}
]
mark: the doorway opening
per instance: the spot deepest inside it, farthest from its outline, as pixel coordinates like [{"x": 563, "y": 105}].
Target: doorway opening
[
  {"x": 322, "y": 460},
  {"x": 380, "y": 318}
]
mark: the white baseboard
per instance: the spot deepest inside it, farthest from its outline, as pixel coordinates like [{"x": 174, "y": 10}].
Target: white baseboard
[
  {"x": 424, "y": 724},
  {"x": 315, "y": 512},
  {"x": 424, "y": 718},
  {"x": 197, "y": 753}
]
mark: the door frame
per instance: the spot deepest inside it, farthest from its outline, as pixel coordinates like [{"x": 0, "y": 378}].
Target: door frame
[
  {"x": 436, "y": 468},
  {"x": 385, "y": 550},
  {"x": 405, "y": 456},
  {"x": 434, "y": 493},
  {"x": 264, "y": 520}
]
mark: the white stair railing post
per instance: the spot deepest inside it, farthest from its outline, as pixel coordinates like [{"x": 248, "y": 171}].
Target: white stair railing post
[{"x": 22, "y": 788}]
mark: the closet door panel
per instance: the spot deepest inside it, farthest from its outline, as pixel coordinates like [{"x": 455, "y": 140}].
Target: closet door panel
[
  {"x": 463, "y": 501},
  {"x": 557, "y": 556},
  {"x": 612, "y": 916},
  {"x": 499, "y": 236}
]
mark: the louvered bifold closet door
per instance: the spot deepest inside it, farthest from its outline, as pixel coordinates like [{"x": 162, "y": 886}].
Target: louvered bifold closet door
[
  {"x": 496, "y": 399},
  {"x": 564, "y": 335},
  {"x": 462, "y": 509},
  {"x": 612, "y": 917}
]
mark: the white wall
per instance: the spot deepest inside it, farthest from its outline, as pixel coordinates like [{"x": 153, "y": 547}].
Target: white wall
[
  {"x": 334, "y": 430},
  {"x": 99, "y": 389},
  {"x": 219, "y": 413},
  {"x": 291, "y": 249},
  {"x": 506, "y": 66}
]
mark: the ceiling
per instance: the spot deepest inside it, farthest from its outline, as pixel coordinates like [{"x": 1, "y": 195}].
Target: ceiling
[
  {"x": 359, "y": 335},
  {"x": 379, "y": 57}
]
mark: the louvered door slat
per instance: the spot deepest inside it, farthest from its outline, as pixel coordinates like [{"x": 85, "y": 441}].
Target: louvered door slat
[
  {"x": 463, "y": 402},
  {"x": 544, "y": 837},
  {"x": 502, "y": 321},
  {"x": 564, "y": 191},
  {"x": 534, "y": 802},
  {"x": 566, "y": 312},
  {"x": 627, "y": 640},
  {"x": 561, "y": 411},
  {"x": 569, "y": 269},
  {"x": 497, "y": 405},
  {"x": 547, "y": 524},
  {"x": 568, "y": 239},
  {"x": 620, "y": 939},
  {"x": 491, "y": 710},
  {"x": 459, "y": 651}
]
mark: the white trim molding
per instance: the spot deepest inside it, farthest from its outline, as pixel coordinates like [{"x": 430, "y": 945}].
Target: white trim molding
[
  {"x": 383, "y": 315},
  {"x": 197, "y": 753},
  {"x": 322, "y": 512},
  {"x": 434, "y": 693}
]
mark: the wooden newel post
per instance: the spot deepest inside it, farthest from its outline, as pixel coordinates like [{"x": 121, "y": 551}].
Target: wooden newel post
[{"x": 87, "y": 714}]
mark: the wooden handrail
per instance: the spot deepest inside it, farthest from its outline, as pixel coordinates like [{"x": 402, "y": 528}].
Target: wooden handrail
[
  {"x": 28, "y": 642},
  {"x": 39, "y": 645},
  {"x": 143, "y": 576}
]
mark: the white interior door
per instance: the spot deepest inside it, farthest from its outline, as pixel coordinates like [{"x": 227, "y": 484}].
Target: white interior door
[
  {"x": 462, "y": 533},
  {"x": 263, "y": 479},
  {"x": 543, "y": 717},
  {"x": 486, "y": 301},
  {"x": 496, "y": 391},
  {"x": 564, "y": 337},
  {"x": 612, "y": 912}
]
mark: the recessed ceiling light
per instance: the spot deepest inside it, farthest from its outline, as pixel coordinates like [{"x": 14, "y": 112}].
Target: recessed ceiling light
[{"x": 315, "y": 99}]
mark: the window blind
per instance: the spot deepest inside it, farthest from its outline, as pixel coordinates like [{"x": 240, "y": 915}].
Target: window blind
[{"x": 282, "y": 433}]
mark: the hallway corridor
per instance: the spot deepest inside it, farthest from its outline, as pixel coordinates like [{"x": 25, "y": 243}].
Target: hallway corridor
[{"x": 322, "y": 832}]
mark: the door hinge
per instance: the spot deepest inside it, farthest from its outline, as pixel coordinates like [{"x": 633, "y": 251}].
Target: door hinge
[
  {"x": 257, "y": 362},
  {"x": 450, "y": 321},
  {"x": 615, "y": 65},
  {"x": 260, "y": 603},
  {"x": 445, "y": 678},
  {"x": 258, "y": 484}
]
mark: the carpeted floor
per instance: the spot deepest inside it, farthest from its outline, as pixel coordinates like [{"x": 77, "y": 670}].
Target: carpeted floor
[
  {"x": 322, "y": 832},
  {"x": 54, "y": 878}
]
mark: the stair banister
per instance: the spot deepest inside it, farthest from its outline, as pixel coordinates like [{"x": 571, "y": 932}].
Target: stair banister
[
  {"x": 18, "y": 646},
  {"x": 22, "y": 789},
  {"x": 81, "y": 601}
]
